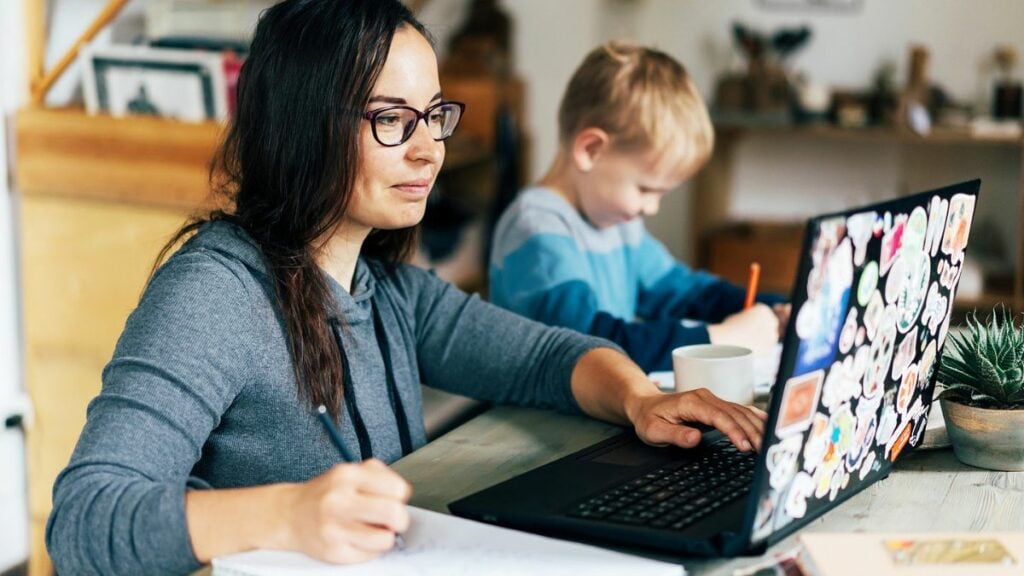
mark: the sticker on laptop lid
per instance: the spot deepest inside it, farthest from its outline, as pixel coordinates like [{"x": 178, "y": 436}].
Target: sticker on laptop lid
[
  {"x": 867, "y": 283},
  {"x": 892, "y": 241},
  {"x": 914, "y": 289},
  {"x": 849, "y": 332},
  {"x": 881, "y": 354},
  {"x": 781, "y": 461},
  {"x": 863, "y": 441},
  {"x": 820, "y": 318},
  {"x": 899, "y": 441},
  {"x": 958, "y": 226},
  {"x": 905, "y": 353},
  {"x": 886, "y": 425},
  {"x": 796, "y": 498},
  {"x": 817, "y": 442},
  {"x": 873, "y": 314},
  {"x": 908, "y": 386},
  {"x": 860, "y": 228},
  {"x": 915, "y": 231},
  {"x": 926, "y": 364},
  {"x": 934, "y": 309},
  {"x": 936, "y": 223},
  {"x": 949, "y": 274},
  {"x": 799, "y": 402}
]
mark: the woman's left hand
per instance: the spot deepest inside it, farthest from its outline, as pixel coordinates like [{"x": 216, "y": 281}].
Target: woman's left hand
[{"x": 661, "y": 419}]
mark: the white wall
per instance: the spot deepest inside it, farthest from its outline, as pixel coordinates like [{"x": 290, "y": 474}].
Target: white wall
[
  {"x": 795, "y": 178},
  {"x": 13, "y": 498}
]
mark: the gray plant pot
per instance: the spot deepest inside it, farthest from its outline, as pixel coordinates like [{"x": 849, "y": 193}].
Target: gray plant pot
[{"x": 992, "y": 439}]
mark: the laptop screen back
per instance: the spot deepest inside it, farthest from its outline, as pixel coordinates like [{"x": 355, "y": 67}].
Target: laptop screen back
[{"x": 871, "y": 310}]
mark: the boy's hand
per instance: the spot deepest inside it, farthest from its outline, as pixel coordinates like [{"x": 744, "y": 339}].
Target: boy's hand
[
  {"x": 756, "y": 328},
  {"x": 661, "y": 419}
]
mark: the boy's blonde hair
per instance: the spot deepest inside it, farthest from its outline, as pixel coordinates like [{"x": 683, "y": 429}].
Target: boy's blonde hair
[{"x": 643, "y": 98}]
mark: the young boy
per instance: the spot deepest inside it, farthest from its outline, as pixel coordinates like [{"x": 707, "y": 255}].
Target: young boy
[{"x": 573, "y": 251}]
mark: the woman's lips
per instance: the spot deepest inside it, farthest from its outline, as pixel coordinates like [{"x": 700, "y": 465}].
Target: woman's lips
[{"x": 414, "y": 188}]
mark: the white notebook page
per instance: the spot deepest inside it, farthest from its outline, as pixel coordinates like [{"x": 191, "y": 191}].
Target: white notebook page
[{"x": 443, "y": 545}]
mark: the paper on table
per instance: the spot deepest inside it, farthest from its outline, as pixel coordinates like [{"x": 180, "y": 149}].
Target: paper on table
[
  {"x": 938, "y": 553},
  {"x": 443, "y": 545}
]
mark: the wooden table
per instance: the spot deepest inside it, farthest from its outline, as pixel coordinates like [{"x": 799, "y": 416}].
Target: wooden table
[{"x": 928, "y": 491}]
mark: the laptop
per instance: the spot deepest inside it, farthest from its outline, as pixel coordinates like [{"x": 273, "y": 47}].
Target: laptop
[{"x": 871, "y": 309}]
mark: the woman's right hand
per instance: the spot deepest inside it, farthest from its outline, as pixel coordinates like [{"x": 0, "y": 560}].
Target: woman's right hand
[
  {"x": 348, "y": 514},
  {"x": 756, "y": 328}
]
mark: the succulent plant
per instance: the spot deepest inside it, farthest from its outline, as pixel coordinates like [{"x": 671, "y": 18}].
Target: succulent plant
[{"x": 983, "y": 366}]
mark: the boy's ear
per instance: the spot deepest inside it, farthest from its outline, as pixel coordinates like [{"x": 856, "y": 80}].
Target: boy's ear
[{"x": 588, "y": 144}]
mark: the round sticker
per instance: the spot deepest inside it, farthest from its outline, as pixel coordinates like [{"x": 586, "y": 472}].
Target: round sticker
[
  {"x": 843, "y": 426},
  {"x": 914, "y": 289},
  {"x": 936, "y": 223},
  {"x": 823, "y": 478},
  {"x": 849, "y": 332},
  {"x": 927, "y": 363},
  {"x": 863, "y": 441},
  {"x": 915, "y": 231},
  {"x": 904, "y": 355},
  {"x": 897, "y": 277},
  {"x": 881, "y": 354},
  {"x": 817, "y": 443},
  {"x": 873, "y": 314},
  {"x": 781, "y": 460},
  {"x": 934, "y": 309},
  {"x": 796, "y": 498},
  {"x": 907, "y": 388},
  {"x": 887, "y": 425},
  {"x": 868, "y": 283}
]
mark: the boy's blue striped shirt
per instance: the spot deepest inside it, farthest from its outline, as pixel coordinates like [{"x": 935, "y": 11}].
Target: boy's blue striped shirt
[{"x": 548, "y": 263}]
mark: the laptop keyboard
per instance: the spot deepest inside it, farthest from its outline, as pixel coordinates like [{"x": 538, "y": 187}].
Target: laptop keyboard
[{"x": 677, "y": 494}]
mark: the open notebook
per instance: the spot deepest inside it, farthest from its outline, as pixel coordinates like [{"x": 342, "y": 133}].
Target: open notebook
[{"x": 448, "y": 546}]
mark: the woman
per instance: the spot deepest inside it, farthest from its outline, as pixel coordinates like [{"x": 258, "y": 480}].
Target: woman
[{"x": 204, "y": 440}]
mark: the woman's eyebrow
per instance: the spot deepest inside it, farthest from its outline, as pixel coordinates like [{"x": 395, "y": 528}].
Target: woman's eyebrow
[{"x": 396, "y": 100}]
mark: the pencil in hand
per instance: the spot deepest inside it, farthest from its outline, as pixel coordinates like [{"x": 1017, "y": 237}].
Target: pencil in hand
[
  {"x": 755, "y": 276},
  {"x": 339, "y": 443}
]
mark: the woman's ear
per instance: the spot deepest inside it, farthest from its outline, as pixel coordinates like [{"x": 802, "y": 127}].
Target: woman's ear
[{"x": 587, "y": 146}]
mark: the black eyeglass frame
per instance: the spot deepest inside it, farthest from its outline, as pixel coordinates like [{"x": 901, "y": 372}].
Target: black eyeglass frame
[{"x": 372, "y": 117}]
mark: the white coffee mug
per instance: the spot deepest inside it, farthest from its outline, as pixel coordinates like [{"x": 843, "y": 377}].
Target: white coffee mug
[{"x": 727, "y": 371}]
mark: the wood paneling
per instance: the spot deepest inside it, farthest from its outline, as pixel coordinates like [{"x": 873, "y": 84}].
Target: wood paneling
[
  {"x": 84, "y": 264},
  {"x": 146, "y": 161}
]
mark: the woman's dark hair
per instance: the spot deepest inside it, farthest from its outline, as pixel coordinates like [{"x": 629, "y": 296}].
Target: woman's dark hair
[{"x": 288, "y": 162}]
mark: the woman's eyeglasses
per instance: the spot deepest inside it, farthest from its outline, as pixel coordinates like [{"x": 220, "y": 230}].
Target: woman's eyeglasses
[{"x": 394, "y": 125}]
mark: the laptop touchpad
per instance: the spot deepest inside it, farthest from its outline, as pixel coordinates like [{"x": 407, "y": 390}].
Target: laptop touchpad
[{"x": 632, "y": 454}]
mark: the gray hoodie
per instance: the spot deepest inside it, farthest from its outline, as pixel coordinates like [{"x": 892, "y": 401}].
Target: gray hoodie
[{"x": 200, "y": 393}]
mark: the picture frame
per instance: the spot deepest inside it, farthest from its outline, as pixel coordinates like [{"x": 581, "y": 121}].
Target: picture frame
[{"x": 186, "y": 85}]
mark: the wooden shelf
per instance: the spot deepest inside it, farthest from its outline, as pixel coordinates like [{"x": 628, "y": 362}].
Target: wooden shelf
[
  {"x": 712, "y": 193},
  {"x": 985, "y": 302},
  {"x": 140, "y": 160},
  {"x": 146, "y": 161},
  {"x": 939, "y": 135}
]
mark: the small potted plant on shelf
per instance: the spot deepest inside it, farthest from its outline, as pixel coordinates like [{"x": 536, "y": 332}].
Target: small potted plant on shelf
[{"x": 982, "y": 381}]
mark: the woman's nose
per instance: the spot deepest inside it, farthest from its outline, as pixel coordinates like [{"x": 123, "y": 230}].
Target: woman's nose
[{"x": 423, "y": 148}]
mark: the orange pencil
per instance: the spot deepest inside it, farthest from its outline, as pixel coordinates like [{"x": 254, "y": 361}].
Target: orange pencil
[{"x": 755, "y": 275}]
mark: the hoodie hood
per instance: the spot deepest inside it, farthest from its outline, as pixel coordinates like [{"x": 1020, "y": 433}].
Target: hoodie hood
[{"x": 232, "y": 241}]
